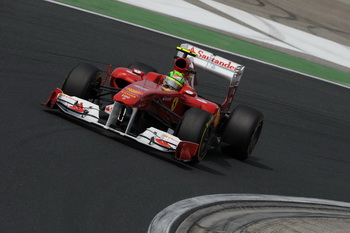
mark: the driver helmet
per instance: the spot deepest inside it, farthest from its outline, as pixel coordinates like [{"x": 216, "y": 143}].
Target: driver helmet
[{"x": 173, "y": 81}]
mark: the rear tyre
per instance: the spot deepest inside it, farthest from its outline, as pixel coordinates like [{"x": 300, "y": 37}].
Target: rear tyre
[
  {"x": 142, "y": 67},
  {"x": 196, "y": 126},
  {"x": 242, "y": 132},
  {"x": 83, "y": 81}
]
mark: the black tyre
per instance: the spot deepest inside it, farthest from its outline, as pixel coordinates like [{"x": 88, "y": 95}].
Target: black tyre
[
  {"x": 196, "y": 126},
  {"x": 242, "y": 131},
  {"x": 82, "y": 81},
  {"x": 143, "y": 67}
]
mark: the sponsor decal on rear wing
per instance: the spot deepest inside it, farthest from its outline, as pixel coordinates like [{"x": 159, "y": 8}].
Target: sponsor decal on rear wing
[{"x": 217, "y": 65}]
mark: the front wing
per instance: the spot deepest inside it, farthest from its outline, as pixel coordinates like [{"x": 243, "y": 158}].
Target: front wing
[{"x": 151, "y": 137}]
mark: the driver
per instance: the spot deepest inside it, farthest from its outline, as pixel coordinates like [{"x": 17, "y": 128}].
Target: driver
[{"x": 173, "y": 81}]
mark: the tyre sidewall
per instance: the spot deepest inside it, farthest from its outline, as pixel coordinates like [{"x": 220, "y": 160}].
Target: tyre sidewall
[
  {"x": 242, "y": 131},
  {"x": 196, "y": 126},
  {"x": 81, "y": 81}
]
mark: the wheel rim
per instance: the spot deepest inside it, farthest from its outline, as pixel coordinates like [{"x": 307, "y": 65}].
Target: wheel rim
[{"x": 203, "y": 146}]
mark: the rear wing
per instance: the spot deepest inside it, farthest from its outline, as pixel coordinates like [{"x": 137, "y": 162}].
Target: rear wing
[{"x": 217, "y": 65}]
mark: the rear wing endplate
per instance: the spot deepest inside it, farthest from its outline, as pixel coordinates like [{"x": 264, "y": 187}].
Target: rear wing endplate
[{"x": 217, "y": 65}]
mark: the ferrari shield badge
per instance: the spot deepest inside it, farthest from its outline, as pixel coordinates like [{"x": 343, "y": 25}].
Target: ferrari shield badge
[{"x": 173, "y": 105}]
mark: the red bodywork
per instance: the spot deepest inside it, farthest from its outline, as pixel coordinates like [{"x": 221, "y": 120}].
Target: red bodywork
[{"x": 145, "y": 88}]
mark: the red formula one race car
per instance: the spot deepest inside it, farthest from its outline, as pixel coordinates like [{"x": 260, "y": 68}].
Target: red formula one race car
[{"x": 163, "y": 111}]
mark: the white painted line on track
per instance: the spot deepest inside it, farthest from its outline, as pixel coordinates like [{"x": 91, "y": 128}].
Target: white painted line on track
[
  {"x": 184, "y": 10},
  {"x": 299, "y": 40},
  {"x": 195, "y": 42},
  {"x": 261, "y": 29}
]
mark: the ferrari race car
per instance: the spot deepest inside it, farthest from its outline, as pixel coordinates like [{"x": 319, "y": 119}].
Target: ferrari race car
[{"x": 134, "y": 102}]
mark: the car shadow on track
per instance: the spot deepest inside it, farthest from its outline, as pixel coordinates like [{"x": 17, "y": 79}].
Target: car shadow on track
[
  {"x": 253, "y": 161},
  {"x": 126, "y": 141},
  {"x": 223, "y": 160},
  {"x": 215, "y": 156}
]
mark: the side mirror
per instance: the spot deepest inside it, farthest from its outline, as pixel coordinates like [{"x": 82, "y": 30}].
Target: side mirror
[{"x": 190, "y": 93}]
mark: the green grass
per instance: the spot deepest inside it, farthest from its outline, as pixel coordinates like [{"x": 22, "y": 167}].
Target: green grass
[{"x": 178, "y": 28}]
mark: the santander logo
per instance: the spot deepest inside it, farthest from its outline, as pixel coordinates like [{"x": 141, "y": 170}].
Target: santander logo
[{"x": 215, "y": 59}]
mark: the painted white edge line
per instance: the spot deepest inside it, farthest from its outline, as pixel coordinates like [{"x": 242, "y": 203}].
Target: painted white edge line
[
  {"x": 164, "y": 220},
  {"x": 201, "y": 44}
]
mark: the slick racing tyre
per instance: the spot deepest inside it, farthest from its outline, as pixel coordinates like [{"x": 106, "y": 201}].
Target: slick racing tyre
[
  {"x": 83, "y": 81},
  {"x": 196, "y": 126},
  {"x": 242, "y": 131},
  {"x": 142, "y": 67}
]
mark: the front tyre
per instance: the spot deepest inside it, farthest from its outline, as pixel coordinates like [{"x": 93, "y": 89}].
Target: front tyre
[
  {"x": 196, "y": 126},
  {"x": 83, "y": 81},
  {"x": 242, "y": 131}
]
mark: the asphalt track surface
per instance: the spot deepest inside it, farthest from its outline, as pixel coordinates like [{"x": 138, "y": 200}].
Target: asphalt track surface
[{"x": 58, "y": 175}]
